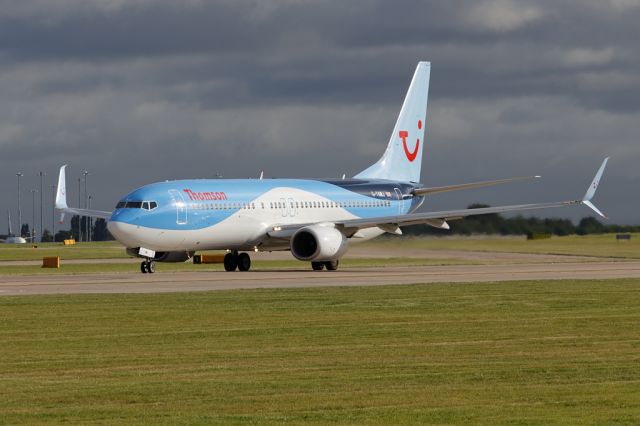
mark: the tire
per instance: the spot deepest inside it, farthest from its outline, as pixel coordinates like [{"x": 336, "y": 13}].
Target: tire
[
  {"x": 244, "y": 262},
  {"x": 230, "y": 262},
  {"x": 143, "y": 267},
  {"x": 317, "y": 266},
  {"x": 332, "y": 265},
  {"x": 151, "y": 267}
]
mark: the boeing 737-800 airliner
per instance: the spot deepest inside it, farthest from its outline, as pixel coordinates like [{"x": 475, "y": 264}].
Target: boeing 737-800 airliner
[{"x": 315, "y": 219}]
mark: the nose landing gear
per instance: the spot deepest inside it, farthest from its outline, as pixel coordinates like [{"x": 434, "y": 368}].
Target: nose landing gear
[{"x": 148, "y": 266}]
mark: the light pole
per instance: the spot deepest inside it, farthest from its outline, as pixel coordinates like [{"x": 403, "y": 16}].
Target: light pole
[
  {"x": 79, "y": 217},
  {"x": 86, "y": 201},
  {"x": 53, "y": 212},
  {"x": 19, "y": 174},
  {"x": 33, "y": 214},
  {"x": 89, "y": 220},
  {"x": 41, "y": 195}
]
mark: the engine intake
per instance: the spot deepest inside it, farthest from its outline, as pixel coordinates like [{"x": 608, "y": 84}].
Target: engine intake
[{"x": 318, "y": 243}]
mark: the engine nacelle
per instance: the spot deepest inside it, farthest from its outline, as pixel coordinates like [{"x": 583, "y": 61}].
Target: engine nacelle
[
  {"x": 318, "y": 243},
  {"x": 165, "y": 256}
]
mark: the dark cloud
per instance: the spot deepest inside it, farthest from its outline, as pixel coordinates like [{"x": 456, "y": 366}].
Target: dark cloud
[{"x": 140, "y": 90}]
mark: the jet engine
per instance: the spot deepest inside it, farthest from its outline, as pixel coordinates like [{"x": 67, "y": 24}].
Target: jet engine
[
  {"x": 318, "y": 243},
  {"x": 165, "y": 256}
]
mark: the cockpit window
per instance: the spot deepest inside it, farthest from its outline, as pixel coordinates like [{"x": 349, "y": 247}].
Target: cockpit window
[
  {"x": 146, "y": 205},
  {"x": 149, "y": 205}
]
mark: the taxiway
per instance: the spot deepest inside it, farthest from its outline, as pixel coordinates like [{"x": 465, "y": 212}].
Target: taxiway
[{"x": 208, "y": 281}]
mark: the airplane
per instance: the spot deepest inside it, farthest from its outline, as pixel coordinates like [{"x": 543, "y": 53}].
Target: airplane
[
  {"x": 12, "y": 239},
  {"x": 314, "y": 219}
]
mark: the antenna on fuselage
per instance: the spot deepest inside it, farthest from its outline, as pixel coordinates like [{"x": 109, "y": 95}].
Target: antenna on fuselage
[
  {"x": 344, "y": 175},
  {"x": 261, "y": 174}
]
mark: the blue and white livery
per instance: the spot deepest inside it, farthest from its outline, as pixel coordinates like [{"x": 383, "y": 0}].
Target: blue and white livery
[{"x": 315, "y": 219}]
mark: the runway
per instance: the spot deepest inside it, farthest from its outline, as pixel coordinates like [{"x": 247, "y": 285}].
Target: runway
[{"x": 209, "y": 281}]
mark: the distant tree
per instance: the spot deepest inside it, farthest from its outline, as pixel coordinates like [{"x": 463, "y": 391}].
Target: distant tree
[
  {"x": 590, "y": 225},
  {"x": 100, "y": 232},
  {"x": 46, "y": 236},
  {"x": 64, "y": 235},
  {"x": 560, "y": 227},
  {"x": 480, "y": 224},
  {"x": 75, "y": 228},
  {"x": 83, "y": 227}
]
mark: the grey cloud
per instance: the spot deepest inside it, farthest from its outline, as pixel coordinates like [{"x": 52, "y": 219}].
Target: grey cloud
[{"x": 137, "y": 91}]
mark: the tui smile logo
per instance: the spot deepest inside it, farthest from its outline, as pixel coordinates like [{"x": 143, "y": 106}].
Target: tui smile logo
[{"x": 411, "y": 155}]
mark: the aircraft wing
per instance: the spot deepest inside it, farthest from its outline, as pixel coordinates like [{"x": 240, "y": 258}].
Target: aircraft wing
[
  {"x": 436, "y": 219},
  {"x": 85, "y": 212},
  {"x": 439, "y": 219},
  {"x": 61, "y": 201}
]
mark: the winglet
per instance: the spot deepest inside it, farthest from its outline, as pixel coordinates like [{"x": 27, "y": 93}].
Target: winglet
[
  {"x": 594, "y": 208},
  {"x": 61, "y": 195},
  {"x": 591, "y": 191}
]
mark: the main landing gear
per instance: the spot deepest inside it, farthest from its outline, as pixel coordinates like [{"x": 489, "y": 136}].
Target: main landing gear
[
  {"x": 148, "y": 266},
  {"x": 331, "y": 265},
  {"x": 235, "y": 260}
]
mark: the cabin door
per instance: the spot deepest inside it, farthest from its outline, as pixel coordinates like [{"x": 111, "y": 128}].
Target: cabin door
[{"x": 181, "y": 206}]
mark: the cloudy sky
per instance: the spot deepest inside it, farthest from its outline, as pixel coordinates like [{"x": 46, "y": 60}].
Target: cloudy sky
[{"x": 136, "y": 91}]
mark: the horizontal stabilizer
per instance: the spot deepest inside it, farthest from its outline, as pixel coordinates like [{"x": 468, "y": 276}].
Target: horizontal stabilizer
[{"x": 439, "y": 189}]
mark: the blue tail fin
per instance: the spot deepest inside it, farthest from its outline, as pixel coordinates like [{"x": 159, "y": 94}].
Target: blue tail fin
[{"x": 403, "y": 158}]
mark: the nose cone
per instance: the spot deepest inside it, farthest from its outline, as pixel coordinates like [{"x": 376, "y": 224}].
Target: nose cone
[{"x": 123, "y": 232}]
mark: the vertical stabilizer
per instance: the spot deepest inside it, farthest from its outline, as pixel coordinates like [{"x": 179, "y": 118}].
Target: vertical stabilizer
[
  {"x": 61, "y": 193},
  {"x": 402, "y": 159}
]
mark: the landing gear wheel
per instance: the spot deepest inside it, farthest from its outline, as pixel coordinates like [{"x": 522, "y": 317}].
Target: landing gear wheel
[
  {"x": 244, "y": 262},
  {"x": 230, "y": 262},
  {"x": 148, "y": 266},
  {"x": 332, "y": 265},
  {"x": 317, "y": 266}
]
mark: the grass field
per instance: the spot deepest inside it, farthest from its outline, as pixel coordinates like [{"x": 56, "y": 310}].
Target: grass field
[
  {"x": 604, "y": 245},
  {"x": 102, "y": 250},
  {"x": 560, "y": 352}
]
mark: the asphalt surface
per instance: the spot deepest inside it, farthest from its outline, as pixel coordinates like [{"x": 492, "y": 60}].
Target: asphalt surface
[{"x": 136, "y": 282}]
